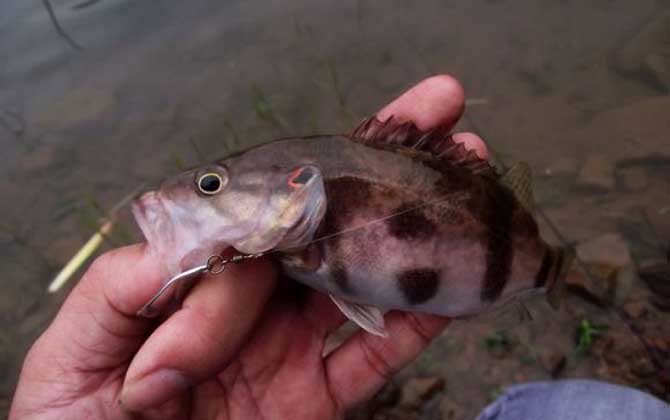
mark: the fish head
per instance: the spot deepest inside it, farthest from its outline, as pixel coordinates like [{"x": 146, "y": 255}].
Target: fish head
[{"x": 203, "y": 211}]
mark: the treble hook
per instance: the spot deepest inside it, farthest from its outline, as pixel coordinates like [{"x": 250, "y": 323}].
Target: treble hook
[{"x": 215, "y": 264}]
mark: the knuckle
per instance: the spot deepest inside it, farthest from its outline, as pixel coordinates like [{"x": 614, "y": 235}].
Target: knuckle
[
  {"x": 376, "y": 356},
  {"x": 100, "y": 265},
  {"x": 424, "y": 332}
]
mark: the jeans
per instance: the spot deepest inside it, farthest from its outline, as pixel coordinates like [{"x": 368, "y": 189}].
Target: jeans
[{"x": 575, "y": 400}]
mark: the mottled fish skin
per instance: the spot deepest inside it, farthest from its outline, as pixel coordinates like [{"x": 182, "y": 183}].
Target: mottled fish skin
[{"x": 460, "y": 241}]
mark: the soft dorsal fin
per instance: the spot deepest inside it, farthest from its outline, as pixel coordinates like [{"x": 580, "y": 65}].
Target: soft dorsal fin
[
  {"x": 437, "y": 142},
  {"x": 518, "y": 179}
]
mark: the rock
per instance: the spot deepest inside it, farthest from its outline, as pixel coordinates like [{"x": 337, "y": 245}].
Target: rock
[
  {"x": 638, "y": 130},
  {"x": 659, "y": 65},
  {"x": 633, "y": 178},
  {"x": 598, "y": 289},
  {"x": 647, "y": 52},
  {"x": 609, "y": 249},
  {"x": 635, "y": 308},
  {"x": 597, "y": 173},
  {"x": 609, "y": 262},
  {"x": 416, "y": 391},
  {"x": 450, "y": 410}
]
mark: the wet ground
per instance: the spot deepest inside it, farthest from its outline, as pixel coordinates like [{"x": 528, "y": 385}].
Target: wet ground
[{"x": 580, "y": 90}]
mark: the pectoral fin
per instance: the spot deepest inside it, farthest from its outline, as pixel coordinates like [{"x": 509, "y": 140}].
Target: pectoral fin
[{"x": 368, "y": 317}]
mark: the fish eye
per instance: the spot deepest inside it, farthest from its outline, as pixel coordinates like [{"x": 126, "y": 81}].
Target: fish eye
[{"x": 210, "y": 183}]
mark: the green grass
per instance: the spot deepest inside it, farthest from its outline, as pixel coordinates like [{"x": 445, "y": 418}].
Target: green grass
[
  {"x": 178, "y": 162},
  {"x": 264, "y": 109},
  {"x": 587, "y": 333}
]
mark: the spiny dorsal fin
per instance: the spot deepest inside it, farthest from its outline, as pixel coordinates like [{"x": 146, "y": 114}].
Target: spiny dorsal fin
[
  {"x": 437, "y": 142},
  {"x": 518, "y": 179}
]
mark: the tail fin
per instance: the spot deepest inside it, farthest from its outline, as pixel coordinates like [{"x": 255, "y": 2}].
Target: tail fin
[{"x": 564, "y": 258}]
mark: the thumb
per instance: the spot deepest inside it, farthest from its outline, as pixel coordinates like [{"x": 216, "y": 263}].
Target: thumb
[
  {"x": 97, "y": 328},
  {"x": 200, "y": 339}
]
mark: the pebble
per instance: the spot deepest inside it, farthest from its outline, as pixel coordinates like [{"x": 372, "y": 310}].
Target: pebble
[
  {"x": 597, "y": 173},
  {"x": 635, "y": 308},
  {"x": 609, "y": 249},
  {"x": 450, "y": 410}
]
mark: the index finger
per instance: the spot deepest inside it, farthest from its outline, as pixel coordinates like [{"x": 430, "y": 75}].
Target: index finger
[{"x": 436, "y": 101}]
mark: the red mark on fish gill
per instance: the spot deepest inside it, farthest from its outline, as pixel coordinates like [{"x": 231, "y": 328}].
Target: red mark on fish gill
[{"x": 300, "y": 176}]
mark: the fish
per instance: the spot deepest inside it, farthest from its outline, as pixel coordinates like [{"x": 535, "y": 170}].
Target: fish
[{"x": 389, "y": 217}]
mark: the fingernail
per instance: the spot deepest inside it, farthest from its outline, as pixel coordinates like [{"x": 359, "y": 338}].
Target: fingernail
[{"x": 154, "y": 389}]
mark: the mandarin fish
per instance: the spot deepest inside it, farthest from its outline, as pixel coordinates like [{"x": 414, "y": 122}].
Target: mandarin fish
[{"x": 389, "y": 217}]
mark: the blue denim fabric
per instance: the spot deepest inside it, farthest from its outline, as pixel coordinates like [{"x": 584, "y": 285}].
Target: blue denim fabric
[{"x": 575, "y": 400}]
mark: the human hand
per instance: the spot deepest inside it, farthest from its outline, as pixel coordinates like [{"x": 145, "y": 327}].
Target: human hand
[{"x": 242, "y": 345}]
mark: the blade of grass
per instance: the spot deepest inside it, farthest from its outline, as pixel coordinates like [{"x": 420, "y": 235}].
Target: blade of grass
[
  {"x": 80, "y": 257},
  {"x": 92, "y": 245}
]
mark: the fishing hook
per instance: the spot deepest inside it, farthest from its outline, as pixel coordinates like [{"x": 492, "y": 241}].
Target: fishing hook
[{"x": 215, "y": 264}]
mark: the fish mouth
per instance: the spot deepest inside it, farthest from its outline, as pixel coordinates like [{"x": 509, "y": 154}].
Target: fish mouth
[
  {"x": 152, "y": 218},
  {"x": 173, "y": 239}
]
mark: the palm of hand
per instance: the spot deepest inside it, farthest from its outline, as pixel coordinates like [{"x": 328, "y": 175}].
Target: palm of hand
[{"x": 278, "y": 373}]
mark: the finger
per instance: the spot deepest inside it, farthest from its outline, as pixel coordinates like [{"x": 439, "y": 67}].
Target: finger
[
  {"x": 438, "y": 100},
  {"x": 200, "y": 339},
  {"x": 365, "y": 362},
  {"x": 472, "y": 141}
]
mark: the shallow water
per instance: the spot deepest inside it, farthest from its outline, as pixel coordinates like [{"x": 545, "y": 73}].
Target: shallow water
[{"x": 165, "y": 84}]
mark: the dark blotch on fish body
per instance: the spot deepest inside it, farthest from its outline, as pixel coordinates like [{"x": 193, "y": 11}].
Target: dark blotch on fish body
[
  {"x": 338, "y": 272},
  {"x": 499, "y": 252},
  {"x": 419, "y": 285},
  {"x": 411, "y": 222},
  {"x": 345, "y": 196}
]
